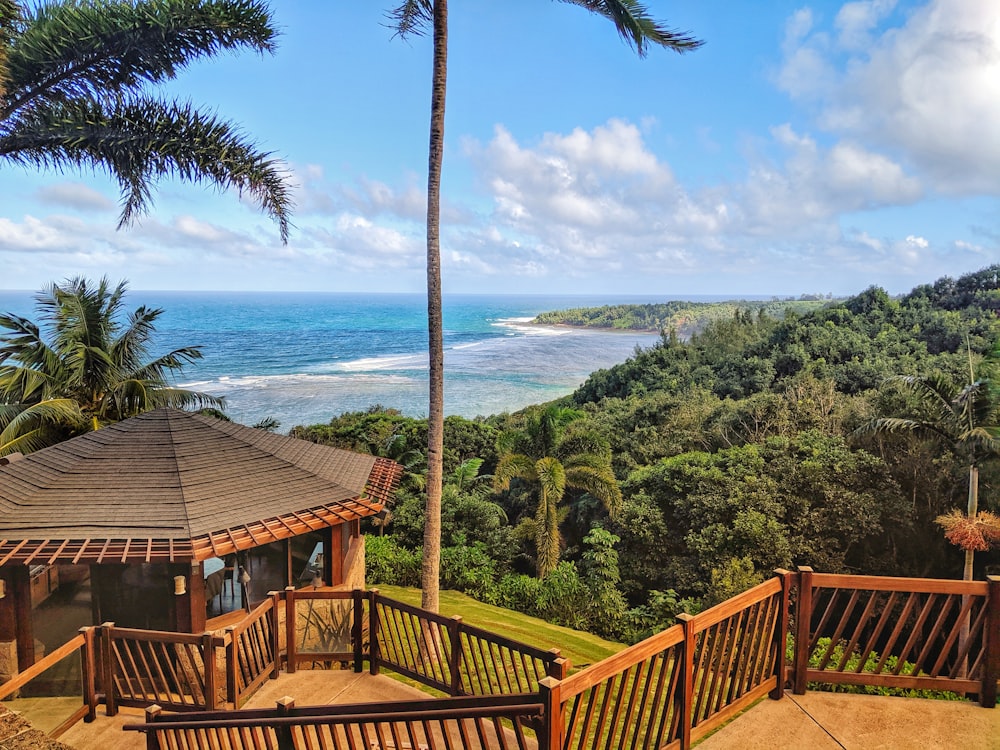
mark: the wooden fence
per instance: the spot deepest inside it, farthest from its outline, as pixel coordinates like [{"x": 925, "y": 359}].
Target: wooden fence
[
  {"x": 476, "y": 723},
  {"x": 913, "y": 633},
  {"x": 678, "y": 685},
  {"x": 665, "y": 692},
  {"x": 252, "y": 652}
]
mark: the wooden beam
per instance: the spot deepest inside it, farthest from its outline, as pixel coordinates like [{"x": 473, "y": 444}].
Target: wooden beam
[{"x": 22, "y": 614}]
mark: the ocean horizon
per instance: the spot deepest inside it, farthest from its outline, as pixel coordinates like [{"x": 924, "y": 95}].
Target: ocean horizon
[{"x": 305, "y": 357}]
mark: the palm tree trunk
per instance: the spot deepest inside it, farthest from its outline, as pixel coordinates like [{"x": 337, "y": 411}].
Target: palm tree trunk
[
  {"x": 973, "y": 511},
  {"x": 430, "y": 570}
]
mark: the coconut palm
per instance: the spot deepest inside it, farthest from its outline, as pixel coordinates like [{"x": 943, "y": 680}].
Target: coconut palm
[
  {"x": 84, "y": 366},
  {"x": 74, "y": 80},
  {"x": 545, "y": 454},
  {"x": 966, "y": 420},
  {"x": 639, "y": 30}
]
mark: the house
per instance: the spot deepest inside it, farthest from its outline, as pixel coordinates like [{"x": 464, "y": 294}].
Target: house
[{"x": 170, "y": 521}]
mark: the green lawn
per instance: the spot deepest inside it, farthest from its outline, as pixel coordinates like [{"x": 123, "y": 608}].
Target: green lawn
[{"x": 580, "y": 648}]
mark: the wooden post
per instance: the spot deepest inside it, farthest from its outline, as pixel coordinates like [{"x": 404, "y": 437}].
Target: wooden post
[
  {"x": 550, "y": 735},
  {"x": 108, "y": 669},
  {"x": 21, "y": 578},
  {"x": 991, "y": 634},
  {"x": 290, "y": 629},
  {"x": 232, "y": 664},
  {"x": 455, "y": 657},
  {"x": 284, "y": 733},
  {"x": 803, "y": 620},
  {"x": 357, "y": 629},
  {"x": 88, "y": 667},
  {"x": 686, "y": 692},
  {"x": 272, "y": 617},
  {"x": 209, "y": 661},
  {"x": 559, "y": 666},
  {"x": 373, "y": 652},
  {"x": 781, "y": 634},
  {"x": 152, "y": 714}
]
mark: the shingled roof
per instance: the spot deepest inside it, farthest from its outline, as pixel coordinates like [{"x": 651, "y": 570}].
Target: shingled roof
[{"x": 170, "y": 485}]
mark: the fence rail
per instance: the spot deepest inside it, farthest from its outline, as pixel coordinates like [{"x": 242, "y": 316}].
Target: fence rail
[
  {"x": 252, "y": 652},
  {"x": 477, "y": 723},
  {"x": 900, "y": 632},
  {"x": 173, "y": 670}
]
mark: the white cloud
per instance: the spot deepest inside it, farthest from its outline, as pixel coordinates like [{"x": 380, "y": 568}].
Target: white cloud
[
  {"x": 75, "y": 195},
  {"x": 927, "y": 90},
  {"x": 915, "y": 241}
]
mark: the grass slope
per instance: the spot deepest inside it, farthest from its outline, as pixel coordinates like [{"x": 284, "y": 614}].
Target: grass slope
[{"x": 580, "y": 648}]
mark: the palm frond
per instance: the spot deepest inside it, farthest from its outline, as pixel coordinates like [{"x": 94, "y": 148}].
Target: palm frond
[
  {"x": 637, "y": 28},
  {"x": 411, "y": 18},
  {"x": 25, "y": 428},
  {"x": 513, "y": 466},
  {"x": 71, "y": 50},
  {"x": 141, "y": 140}
]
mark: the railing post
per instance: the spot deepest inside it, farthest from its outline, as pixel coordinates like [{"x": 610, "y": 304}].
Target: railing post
[
  {"x": 781, "y": 634},
  {"x": 272, "y": 618},
  {"x": 152, "y": 714},
  {"x": 232, "y": 664},
  {"x": 209, "y": 661},
  {"x": 290, "y": 629},
  {"x": 686, "y": 692},
  {"x": 284, "y": 733},
  {"x": 108, "y": 670},
  {"x": 550, "y": 734},
  {"x": 88, "y": 666},
  {"x": 991, "y": 634},
  {"x": 373, "y": 650},
  {"x": 358, "y": 629},
  {"x": 559, "y": 666},
  {"x": 803, "y": 620},
  {"x": 455, "y": 657}
]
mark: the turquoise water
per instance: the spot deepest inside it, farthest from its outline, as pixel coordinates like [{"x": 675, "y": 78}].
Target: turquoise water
[{"x": 303, "y": 358}]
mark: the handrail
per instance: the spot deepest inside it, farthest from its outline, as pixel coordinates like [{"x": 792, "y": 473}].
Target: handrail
[{"x": 48, "y": 661}]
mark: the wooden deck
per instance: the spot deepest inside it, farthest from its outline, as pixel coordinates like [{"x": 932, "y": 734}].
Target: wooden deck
[{"x": 307, "y": 687}]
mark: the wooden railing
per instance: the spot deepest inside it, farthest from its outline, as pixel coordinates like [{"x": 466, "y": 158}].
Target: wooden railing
[
  {"x": 81, "y": 646},
  {"x": 252, "y": 652},
  {"x": 477, "y": 723},
  {"x": 664, "y": 692},
  {"x": 681, "y": 683},
  {"x": 143, "y": 667},
  {"x": 898, "y": 632}
]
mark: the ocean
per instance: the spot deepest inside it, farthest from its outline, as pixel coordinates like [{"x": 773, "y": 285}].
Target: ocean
[{"x": 303, "y": 358}]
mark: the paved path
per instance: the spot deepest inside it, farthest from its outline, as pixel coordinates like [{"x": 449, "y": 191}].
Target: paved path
[{"x": 829, "y": 721}]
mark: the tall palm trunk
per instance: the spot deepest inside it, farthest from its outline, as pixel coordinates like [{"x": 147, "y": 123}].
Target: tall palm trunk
[
  {"x": 430, "y": 570},
  {"x": 973, "y": 511}
]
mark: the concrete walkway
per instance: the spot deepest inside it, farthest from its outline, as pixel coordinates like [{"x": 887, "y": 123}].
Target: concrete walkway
[{"x": 828, "y": 721}]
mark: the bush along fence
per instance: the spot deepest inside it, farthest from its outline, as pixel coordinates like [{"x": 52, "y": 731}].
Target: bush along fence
[{"x": 797, "y": 629}]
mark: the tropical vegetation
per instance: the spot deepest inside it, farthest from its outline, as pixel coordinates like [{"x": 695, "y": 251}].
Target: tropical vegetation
[
  {"x": 736, "y": 450},
  {"x": 75, "y": 81},
  {"x": 639, "y": 30},
  {"x": 86, "y": 364}
]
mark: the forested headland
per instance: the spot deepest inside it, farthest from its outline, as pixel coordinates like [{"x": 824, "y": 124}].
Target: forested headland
[
  {"x": 692, "y": 470},
  {"x": 684, "y": 318}
]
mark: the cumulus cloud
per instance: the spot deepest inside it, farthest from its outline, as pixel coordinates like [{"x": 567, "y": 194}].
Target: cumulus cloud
[{"x": 925, "y": 86}]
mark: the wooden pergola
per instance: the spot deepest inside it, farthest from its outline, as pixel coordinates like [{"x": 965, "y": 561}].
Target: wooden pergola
[{"x": 176, "y": 488}]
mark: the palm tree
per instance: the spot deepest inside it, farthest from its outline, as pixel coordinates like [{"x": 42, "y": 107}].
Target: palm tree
[
  {"x": 545, "y": 454},
  {"x": 83, "y": 367},
  {"x": 639, "y": 30},
  {"x": 964, "y": 419},
  {"x": 73, "y": 92}
]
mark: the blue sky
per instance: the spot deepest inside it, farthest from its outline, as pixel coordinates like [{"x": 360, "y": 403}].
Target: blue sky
[{"x": 807, "y": 147}]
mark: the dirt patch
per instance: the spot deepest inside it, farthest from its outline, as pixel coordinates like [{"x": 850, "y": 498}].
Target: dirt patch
[{"x": 17, "y": 734}]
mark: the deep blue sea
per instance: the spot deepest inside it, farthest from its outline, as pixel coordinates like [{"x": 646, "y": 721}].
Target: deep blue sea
[{"x": 303, "y": 358}]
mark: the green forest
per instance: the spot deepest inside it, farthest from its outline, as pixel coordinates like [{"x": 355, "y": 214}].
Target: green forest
[
  {"x": 684, "y": 318},
  {"x": 689, "y": 472}
]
